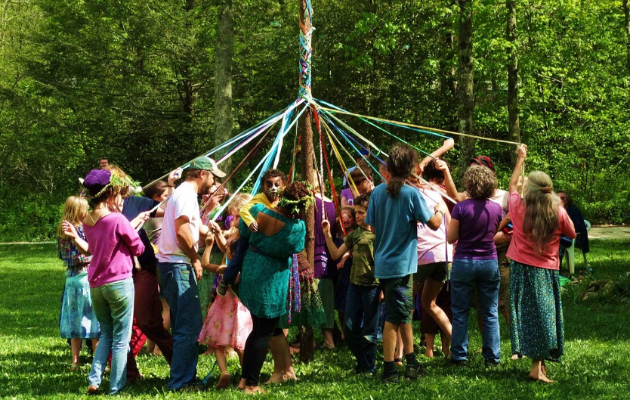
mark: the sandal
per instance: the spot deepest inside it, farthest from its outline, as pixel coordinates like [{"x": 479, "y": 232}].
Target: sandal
[
  {"x": 398, "y": 361},
  {"x": 224, "y": 381}
]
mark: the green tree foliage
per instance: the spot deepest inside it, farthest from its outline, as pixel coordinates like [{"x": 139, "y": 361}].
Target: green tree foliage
[{"x": 134, "y": 81}]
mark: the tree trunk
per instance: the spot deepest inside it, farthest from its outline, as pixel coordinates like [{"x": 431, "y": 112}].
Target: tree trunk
[
  {"x": 307, "y": 151},
  {"x": 465, "y": 84},
  {"x": 223, "y": 77},
  {"x": 512, "y": 68},
  {"x": 626, "y": 11}
]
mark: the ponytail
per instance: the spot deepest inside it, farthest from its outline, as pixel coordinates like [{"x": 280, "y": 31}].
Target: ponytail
[{"x": 400, "y": 163}]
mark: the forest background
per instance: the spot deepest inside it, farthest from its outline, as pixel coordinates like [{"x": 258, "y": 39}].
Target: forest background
[{"x": 150, "y": 84}]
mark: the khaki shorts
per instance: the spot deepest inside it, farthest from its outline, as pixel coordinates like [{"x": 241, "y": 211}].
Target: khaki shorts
[{"x": 436, "y": 271}]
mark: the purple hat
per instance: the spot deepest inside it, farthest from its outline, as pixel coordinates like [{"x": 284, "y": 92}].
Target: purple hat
[{"x": 96, "y": 180}]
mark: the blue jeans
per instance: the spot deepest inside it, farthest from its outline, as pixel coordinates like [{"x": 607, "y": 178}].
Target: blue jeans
[
  {"x": 465, "y": 275},
  {"x": 179, "y": 288},
  {"x": 113, "y": 306},
  {"x": 361, "y": 324}
]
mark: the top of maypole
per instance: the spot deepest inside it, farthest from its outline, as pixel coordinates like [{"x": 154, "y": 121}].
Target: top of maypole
[{"x": 306, "y": 50}]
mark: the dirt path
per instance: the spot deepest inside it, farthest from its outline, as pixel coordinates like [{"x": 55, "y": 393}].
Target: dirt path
[{"x": 609, "y": 232}]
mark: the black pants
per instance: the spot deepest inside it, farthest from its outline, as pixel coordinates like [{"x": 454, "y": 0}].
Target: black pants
[{"x": 257, "y": 346}]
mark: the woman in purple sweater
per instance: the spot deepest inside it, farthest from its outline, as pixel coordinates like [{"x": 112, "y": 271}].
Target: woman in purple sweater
[{"x": 113, "y": 242}]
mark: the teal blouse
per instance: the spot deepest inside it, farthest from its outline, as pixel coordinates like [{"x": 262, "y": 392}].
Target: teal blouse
[{"x": 266, "y": 266}]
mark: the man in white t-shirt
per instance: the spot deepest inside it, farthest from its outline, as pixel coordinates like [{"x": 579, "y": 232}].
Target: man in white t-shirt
[{"x": 179, "y": 268}]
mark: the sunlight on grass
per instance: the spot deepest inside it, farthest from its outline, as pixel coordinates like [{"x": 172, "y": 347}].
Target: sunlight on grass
[{"x": 34, "y": 360}]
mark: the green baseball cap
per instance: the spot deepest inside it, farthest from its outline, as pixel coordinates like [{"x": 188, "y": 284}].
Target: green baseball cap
[{"x": 206, "y": 164}]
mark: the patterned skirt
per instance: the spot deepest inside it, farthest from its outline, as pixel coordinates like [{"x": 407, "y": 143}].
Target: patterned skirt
[
  {"x": 228, "y": 323},
  {"x": 536, "y": 322},
  {"x": 311, "y": 313},
  {"x": 78, "y": 320}
]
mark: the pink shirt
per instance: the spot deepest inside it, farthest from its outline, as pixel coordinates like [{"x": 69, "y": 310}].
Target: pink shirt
[
  {"x": 432, "y": 245},
  {"x": 113, "y": 242},
  {"x": 522, "y": 249}
]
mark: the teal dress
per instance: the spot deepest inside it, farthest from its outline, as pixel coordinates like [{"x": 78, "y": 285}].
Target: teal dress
[{"x": 266, "y": 265}]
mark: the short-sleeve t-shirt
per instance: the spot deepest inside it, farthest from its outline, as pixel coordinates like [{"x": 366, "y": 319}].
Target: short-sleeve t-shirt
[
  {"x": 361, "y": 242},
  {"x": 395, "y": 222},
  {"x": 432, "y": 245},
  {"x": 183, "y": 202},
  {"x": 522, "y": 249},
  {"x": 478, "y": 223},
  {"x": 347, "y": 194}
]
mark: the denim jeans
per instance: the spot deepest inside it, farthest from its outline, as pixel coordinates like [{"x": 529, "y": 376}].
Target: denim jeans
[
  {"x": 179, "y": 288},
  {"x": 113, "y": 306},
  {"x": 361, "y": 323},
  {"x": 465, "y": 275}
]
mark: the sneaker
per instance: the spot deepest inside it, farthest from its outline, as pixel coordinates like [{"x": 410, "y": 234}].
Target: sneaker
[
  {"x": 458, "y": 363},
  {"x": 491, "y": 364},
  {"x": 415, "y": 371},
  {"x": 393, "y": 378},
  {"x": 355, "y": 371},
  {"x": 222, "y": 288}
]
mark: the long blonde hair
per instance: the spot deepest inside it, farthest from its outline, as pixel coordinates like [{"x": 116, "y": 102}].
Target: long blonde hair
[
  {"x": 541, "y": 210},
  {"x": 74, "y": 210}
]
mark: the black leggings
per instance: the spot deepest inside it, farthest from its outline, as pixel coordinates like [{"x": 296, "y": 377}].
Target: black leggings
[{"x": 257, "y": 346}]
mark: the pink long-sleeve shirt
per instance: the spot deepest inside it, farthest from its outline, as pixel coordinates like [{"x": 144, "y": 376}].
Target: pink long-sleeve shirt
[{"x": 113, "y": 242}]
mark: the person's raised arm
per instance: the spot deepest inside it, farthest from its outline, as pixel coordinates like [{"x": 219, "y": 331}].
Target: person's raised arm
[
  {"x": 335, "y": 253},
  {"x": 521, "y": 154},
  {"x": 451, "y": 189},
  {"x": 448, "y": 144},
  {"x": 186, "y": 243},
  {"x": 71, "y": 231}
]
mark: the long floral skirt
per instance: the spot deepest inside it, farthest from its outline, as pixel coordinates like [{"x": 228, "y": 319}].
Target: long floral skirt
[
  {"x": 78, "y": 320},
  {"x": 536, "y": 322}
]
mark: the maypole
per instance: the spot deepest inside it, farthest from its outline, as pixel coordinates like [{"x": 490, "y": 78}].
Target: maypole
[{"x": 306, "y": 129}]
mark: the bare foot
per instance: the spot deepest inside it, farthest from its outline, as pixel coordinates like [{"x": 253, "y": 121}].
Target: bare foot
[
  {"x": 92, "y": 389},
  {"x": 514, "y": 357},
  {"x": 289, "y": 376},
  {"x": 276, "y": 377},
  {"x": 429, "y": 354},
  {"x": 254, "y": 390},
  {"x": 242, "y": 384},
  {"x": 539, "y": 377},
  {"x": 224, "y": 381}
]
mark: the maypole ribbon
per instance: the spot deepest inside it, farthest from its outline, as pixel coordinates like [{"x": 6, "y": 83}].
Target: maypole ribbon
[
  {"x": 342, "y": 165},
  {"x": 428, "y": 129},
  {"x": 386, "y": 131},
  {"x": 241, "y": 136},
  {"x": 343, "y": 134},
  {"x": 330, "y": 178}
]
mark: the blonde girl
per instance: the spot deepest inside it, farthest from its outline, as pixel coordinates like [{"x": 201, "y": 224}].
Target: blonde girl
[
  {"x": 228, "y": 323},
  {"x": 78, "y": 320}
]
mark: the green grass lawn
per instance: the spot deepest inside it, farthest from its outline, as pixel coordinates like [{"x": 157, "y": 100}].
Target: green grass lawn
[{"x": 34, "y": 360}]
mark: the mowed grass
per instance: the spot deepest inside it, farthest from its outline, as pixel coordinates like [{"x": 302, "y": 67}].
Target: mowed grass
[{"x": 34, "y": 360}]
